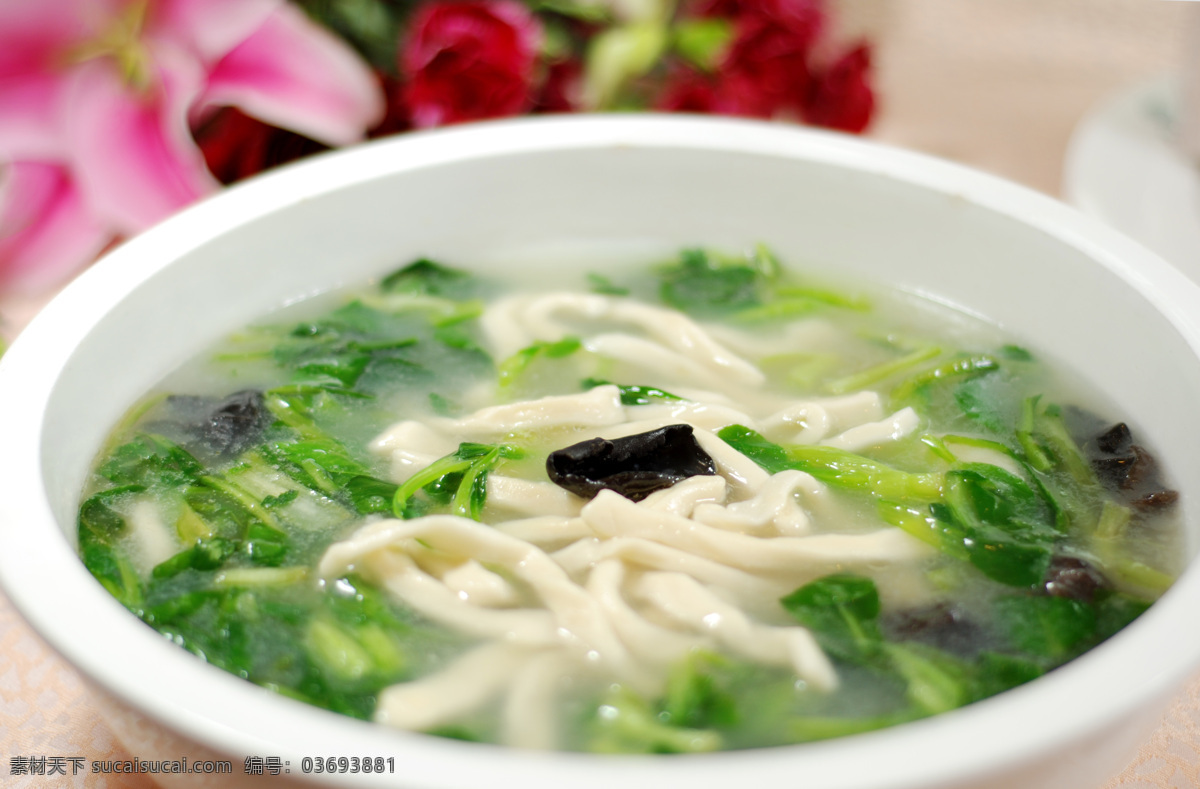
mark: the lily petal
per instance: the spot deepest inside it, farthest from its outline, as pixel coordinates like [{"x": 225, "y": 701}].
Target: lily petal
[
  {"x": 208, "y": 28},
  {"x": 31, "y": 108},
  {"x": 36, "y": 32},
  {"x": 134, "y": 156},
  {"x": 36, "y": 38},
  {"x": 46, "y": 231},
  {"x": 293, "y": 74}
]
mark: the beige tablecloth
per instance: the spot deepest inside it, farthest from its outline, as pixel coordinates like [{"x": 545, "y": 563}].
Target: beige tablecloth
[{"x": 998, "y": 84}]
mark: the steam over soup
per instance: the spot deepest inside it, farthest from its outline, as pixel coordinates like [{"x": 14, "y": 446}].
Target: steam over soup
[{"x": 703, "y": 506}]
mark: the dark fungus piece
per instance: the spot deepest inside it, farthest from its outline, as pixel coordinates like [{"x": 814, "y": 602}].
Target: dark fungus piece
[
  {"x": 1125, "y": 472},
  {"x": 237, "y": 422},
  {"x": 1070, "y": 576},
  {"x": 1116, "y": 440},
  {"x": 941, "y": 625},
  {"x": 1155, "y": 502},
  {"x": 634, "y": 466},
  {"x": 1128, "y": 470},
  {"x": 223, "y": 426}
]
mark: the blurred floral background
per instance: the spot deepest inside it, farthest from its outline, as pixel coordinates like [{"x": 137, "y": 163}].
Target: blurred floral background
[{"x": 116, "y": 113}]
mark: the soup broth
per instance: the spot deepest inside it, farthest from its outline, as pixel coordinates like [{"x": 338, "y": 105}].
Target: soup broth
[{"x": 702, "y": 505}]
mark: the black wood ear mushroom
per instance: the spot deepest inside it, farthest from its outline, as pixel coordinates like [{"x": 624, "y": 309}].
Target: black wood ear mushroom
[{"x": 634, "y": 466}]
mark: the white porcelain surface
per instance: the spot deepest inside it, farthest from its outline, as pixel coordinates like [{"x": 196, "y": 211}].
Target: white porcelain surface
[
  {"x": 549, "y": 191},
  {"x": 1126, "y": 165}
]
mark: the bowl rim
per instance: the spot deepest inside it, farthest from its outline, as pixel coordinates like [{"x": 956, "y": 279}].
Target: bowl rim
[{"x": 190, "y": 697}]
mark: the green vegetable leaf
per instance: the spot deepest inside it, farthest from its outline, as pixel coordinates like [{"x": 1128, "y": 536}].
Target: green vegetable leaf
[
  {"x": 335, "y": 652},
  {"x": 695, "y": 696},
  {"x": 770, "y": 456},
  {"x": 859, "y": 473},
  {"x": 981, "y": 492},
  {"x": 221, "y": 514},
  {"x": 704, "y": 285},
  {"x": 336, "y": 351},
  {"x": 842, "y": 611},
  {"x": 936, "y": 682},
  {"x": 959, "y": 368},
  {"x": 1115, "y": 612},
  {"x": 114, "y": 572},
  {"x": 334, "y": 647},
  {"x": 207, "y": 554},
  {"x": 1048, "y": 629},
  {"x": 1016, "y": 353},
  {"x": 266, "y": 546},
  {"x": 369, "y": 494},
  {"x": 834, "y": 466},
  {"x": 634, "y": 395},
  {"x": 425, "y": 277},
  {"x": 97, "y": 517},
  {"x": 459, "y": 479},
  {"x": 247, "y": 502},
  {"x": 986, "y": 404},
  {"x": 150, "y": 460},
  {"x": 472, "y": 490},
  {"x": 598, "y": 283},
  {"x": 1050, "y": 426},
  {"x": 880, "y": 372},
  {"x": 924, "y": 523},
  {"x": 460, "y": 733},
  {"x": 324, "y": 465},
  {"x": 282, "y": 500},
  {"x": 628, "y": 724},
  {"x": 998, "y": 672},
  {"x": 512, "y": 367},
  {"x": 812, "y": 728},
  {"x": 1007, "y": 529}
]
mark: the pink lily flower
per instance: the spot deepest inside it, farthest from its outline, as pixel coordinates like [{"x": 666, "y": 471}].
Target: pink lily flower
[{"x": 98, "y": 99}]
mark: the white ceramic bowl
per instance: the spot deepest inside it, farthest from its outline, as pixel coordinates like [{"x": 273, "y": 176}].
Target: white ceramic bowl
[{"x": 540, "y": 192}]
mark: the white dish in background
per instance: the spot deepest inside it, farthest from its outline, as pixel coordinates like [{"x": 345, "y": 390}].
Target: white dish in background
[
  {"x": 1124, "y": 167},
  {"x": 534, "y": 190}
]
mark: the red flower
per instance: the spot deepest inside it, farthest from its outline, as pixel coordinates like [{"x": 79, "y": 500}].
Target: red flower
[
  {"x": 765, "y": 70},
  {"x": 465, "y": 61},
  {"x": 236, "y": 146},
  {"x": 687, "y": 90},
  {"x": 561, "y": 88},
  {"x": 794, "y": 13},
  {"x": 841, "y": 97},
  {"x": 396, "y": 115}
]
